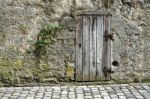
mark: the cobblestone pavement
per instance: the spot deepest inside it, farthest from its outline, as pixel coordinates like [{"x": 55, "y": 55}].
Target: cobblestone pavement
[{"x": 122, "y": 91}]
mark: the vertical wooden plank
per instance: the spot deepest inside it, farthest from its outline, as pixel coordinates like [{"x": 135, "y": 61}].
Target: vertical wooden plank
[
  {"x": 107, "y": 49},
  {"x": 104, "y": 64},
  {"x": 79, "y": 30},
  {"x": 93, "y": 30},
  {"x": 104, "y": 56},
  {"x": 109, "y": 44},
  {"x": 85, "y": 53},
  {"x": 100, "y": 32}
]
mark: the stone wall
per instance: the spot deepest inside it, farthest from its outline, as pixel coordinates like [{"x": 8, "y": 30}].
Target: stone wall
[{"x": 22, "y": 20}]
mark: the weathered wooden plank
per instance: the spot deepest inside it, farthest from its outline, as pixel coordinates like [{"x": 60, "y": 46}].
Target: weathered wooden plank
[
  {"x": 107, "y": 49},
  {"x": 109, "y": 56},
  {"x": 100, "y": 32},
  {"x": 104, "y": 62},
  {"x": 93, "y": 30},
  {"x": 79, "y": 30},
  {"x": 85, "y": 53}
]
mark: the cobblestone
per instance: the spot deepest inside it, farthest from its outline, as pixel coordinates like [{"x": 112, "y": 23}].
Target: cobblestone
[{"x": 122, "y": 91}]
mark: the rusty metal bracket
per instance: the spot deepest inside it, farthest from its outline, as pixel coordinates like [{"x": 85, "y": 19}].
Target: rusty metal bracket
[
  {"x": 109, "y": 36},
  {"x": 107, "y": 70}
]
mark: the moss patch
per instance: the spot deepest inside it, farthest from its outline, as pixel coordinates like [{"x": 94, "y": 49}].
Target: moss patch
[
  {"x": 8, "y": 69},
  {"x": 46, "y": 37},
  {"x": 70, "y": 72},
  {"x": 147, "y": 79}
]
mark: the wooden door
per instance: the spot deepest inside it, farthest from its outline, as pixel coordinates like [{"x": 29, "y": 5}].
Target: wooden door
[{"x": 93, "y": 48}]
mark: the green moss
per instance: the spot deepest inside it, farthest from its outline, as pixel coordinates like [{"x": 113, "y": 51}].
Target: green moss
[
  {"x": 36, "y": 72},
  {"x": 16, "y": 64},
  {"x": 44, "y": 67},
  {"x": 136, "y": 79},
  {"x": 147, "y": 79},
  {"x": 23, "y": 28},
  {"x": 46, "y": 37},
  {"x": 2, "y": 85},
  {"x": 8, "y": 69},
  {"x": 107, "y": 3},
  {"x": 70, "y": 72},
  {"x": 7, "y": 75}
]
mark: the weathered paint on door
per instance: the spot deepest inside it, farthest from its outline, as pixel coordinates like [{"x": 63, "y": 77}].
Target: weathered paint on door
[{"x": 93, "y": 48}]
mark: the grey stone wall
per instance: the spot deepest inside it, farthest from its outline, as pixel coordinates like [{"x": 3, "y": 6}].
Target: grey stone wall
[{"x": 22, "y": 20}]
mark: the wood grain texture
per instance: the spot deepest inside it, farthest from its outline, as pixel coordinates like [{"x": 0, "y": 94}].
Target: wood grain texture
[
  {"x": 107, "y": 49},
  {"x": 86, "y": 48},
  {"x": 93, "y": 52},
  {"x": 109, "y": 43},
  {"x": 79, "y": 32},
  {"x": 100, "y": 32}
]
